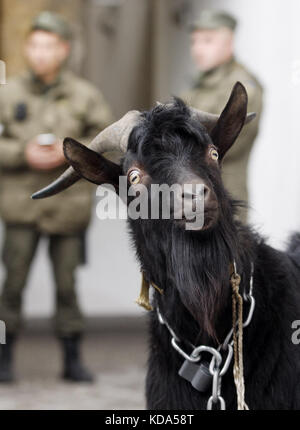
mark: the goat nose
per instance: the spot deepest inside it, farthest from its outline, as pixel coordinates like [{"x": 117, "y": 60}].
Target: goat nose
[
  {"x": 206, "y": 194},
  {"x": 203, "y": 193}
]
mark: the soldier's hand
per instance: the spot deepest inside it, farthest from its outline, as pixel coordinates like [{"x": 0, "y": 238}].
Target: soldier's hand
[{"x": 44, "y": 157}]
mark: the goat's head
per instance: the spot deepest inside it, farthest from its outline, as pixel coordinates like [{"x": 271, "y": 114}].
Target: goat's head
[{"x": 171, "y": 144}]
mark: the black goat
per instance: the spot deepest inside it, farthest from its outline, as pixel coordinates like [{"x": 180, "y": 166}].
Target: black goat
[{"x": 170, "y": 145}]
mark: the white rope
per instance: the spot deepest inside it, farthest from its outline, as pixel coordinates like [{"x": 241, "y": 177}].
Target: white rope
[{"x": 238, "y": 367}]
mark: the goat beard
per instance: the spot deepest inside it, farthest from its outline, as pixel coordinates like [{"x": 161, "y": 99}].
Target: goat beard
[
  {"x": 202, "y": 263},
  {"x": 191, "y": 266}
]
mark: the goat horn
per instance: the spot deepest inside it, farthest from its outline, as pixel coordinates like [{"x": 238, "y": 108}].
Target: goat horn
[
  {"x": 113, "y": 138},
  {"x": 209, "y": 120}
]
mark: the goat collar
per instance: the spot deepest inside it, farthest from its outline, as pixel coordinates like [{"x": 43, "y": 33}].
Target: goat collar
[{"x": 143, "y": 299}]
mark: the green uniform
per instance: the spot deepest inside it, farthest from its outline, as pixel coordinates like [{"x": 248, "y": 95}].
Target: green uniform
[
  {"x": 211, "y": 94},
  {"x": 69, "y": 107}
]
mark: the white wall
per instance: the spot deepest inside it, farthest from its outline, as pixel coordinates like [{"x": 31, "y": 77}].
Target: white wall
[{"x": 269, "y": 39}]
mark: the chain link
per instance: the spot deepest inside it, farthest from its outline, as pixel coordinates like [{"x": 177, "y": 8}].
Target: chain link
[
  {"x": 211, "y": 402},
  {"x": 216, "y": 361}
]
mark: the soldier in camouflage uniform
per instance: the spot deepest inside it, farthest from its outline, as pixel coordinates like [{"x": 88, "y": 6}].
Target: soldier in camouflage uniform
[
  {"x": 37, "y": 110},
  {"x": 212, "y": 37}
]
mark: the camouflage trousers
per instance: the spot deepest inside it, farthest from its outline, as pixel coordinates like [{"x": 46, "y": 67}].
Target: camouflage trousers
[{"x": 20, "y": 244}]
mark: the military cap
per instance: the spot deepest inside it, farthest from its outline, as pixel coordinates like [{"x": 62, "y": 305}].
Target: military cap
[
  {"x": 213, "y": 19},
  {"x": 52, "y": 22}
]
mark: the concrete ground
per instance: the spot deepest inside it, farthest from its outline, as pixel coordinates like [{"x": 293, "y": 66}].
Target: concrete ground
[{"x": 117, "y": 358}]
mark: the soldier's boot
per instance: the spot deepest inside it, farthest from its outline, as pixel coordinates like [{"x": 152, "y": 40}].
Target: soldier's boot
[
  {"x": 6, "y": 359},
  {"x": 74, "y": 370}
]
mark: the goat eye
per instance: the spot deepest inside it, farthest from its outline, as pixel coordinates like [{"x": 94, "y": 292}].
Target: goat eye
[
  {"x": 134, "y": 177},
  {"x": 214, "y": 154}
]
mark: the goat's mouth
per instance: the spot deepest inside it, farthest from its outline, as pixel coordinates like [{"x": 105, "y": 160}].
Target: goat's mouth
[
  {"x": 210, "y": 218},
  {"x": 208, "y": 221}
]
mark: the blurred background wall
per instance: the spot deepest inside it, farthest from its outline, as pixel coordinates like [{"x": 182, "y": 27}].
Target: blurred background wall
[{"x": 136, "y": 51}]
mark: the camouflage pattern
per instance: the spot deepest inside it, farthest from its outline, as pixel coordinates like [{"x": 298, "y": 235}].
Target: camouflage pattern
[
  {"x": 211, "y": 93},
  {"x": 20, "y": 244},
  {"x": 210, "y": 19},
  {"x": 69, "y": 107},
  {"x": 52, "y": 22}
]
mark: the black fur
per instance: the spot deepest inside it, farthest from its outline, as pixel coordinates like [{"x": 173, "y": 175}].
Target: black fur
[{"x": 193, "y": 270}]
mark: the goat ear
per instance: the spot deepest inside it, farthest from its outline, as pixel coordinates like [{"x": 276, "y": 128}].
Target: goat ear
[
  {"x": 91, "y": 165},
  {"x": 231, "y": 120}
]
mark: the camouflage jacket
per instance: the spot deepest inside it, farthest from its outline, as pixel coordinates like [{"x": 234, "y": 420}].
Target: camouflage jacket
[{"x": 69, "y": 107}]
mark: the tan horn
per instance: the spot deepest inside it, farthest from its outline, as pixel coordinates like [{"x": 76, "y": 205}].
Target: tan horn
[
  {"x": 209, "y": 120},
  {"x": 113, "y": 138}
]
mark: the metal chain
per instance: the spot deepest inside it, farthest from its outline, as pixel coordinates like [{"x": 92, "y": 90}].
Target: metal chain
[{"x": 214, "y": 368}]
